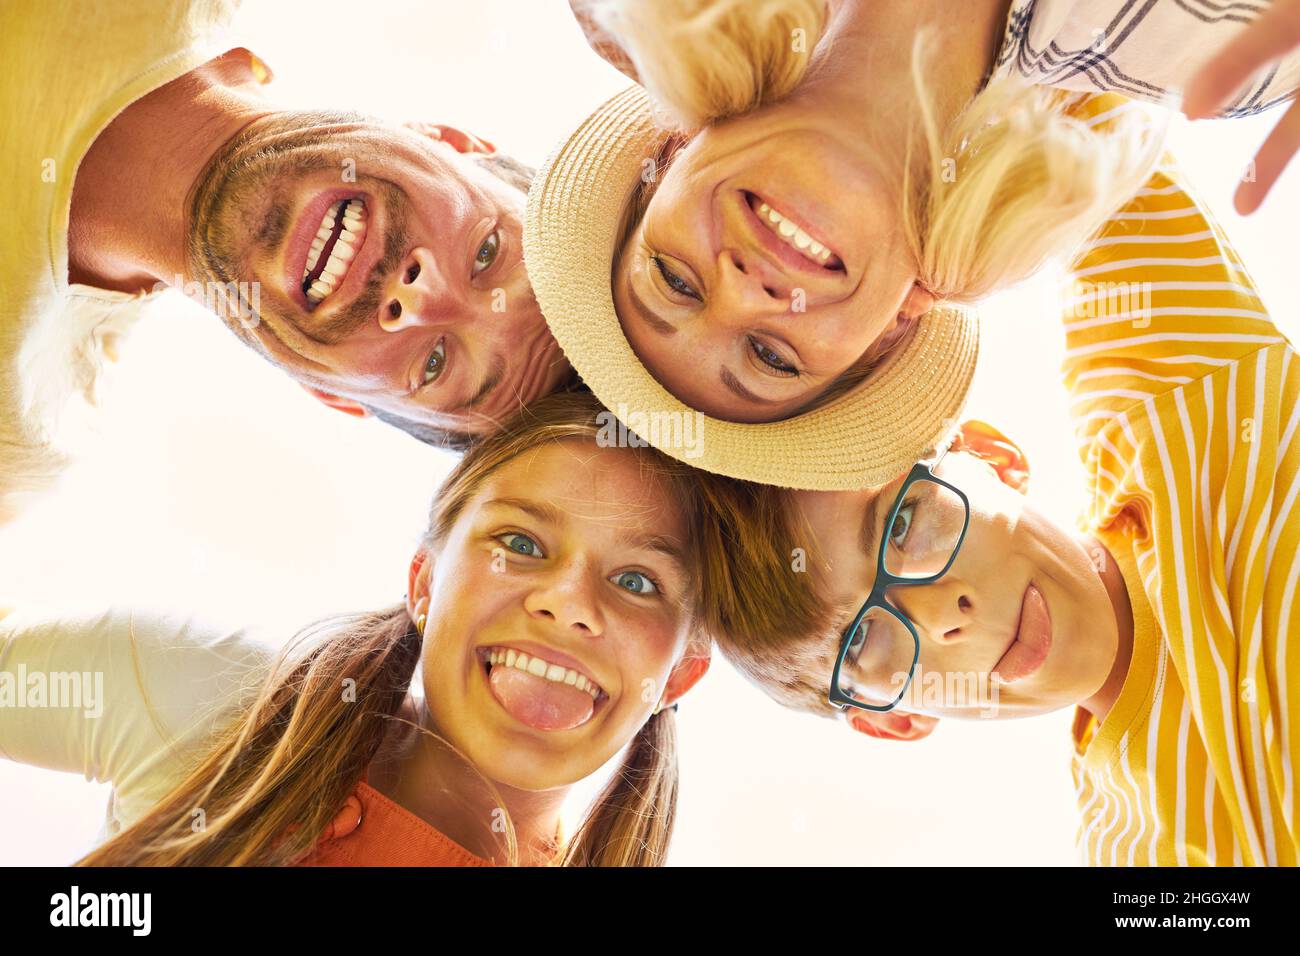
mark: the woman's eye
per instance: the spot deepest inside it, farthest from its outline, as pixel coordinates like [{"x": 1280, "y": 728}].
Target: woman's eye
[
  {"x": 636, "y": 582},
  {"x": 521, "y": 544},
  {"x": 675, "y": 282},
  {"x": 487, "y": 253},
  {"x": 436, "y": 363},
  {"x": 771, "y": 359},
  {"x": 902, "y": 524}
]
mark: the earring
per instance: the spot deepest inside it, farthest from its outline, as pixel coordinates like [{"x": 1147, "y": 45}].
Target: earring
[
  {"x": 660, "y": 706},
  {"x": 420, "y": 622}
]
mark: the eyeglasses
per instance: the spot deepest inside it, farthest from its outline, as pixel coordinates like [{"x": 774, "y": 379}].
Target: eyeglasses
[{"x": 919, "y": 542}]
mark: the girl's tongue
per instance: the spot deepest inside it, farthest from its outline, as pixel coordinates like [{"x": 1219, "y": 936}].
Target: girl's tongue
[{"x": 538, "y": 702}]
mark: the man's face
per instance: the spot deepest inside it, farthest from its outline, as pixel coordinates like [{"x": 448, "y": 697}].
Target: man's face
[{"x": 389, "y": 267}]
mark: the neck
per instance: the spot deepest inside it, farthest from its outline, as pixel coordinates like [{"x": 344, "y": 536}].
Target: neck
[
  {"x": 1101, "y": 702},
  {"x": 870, "y": 48},
  {"x": 435, "y": 783},
  {"x": 128, "y": 238}
]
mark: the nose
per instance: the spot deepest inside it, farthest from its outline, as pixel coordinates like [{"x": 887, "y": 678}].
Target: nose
[
  {"x": 418, "y": 292},
  {"x": 565, "y": 598},
  {"x": 747, "y": 287},
  {"x": 941, "y": 610}
]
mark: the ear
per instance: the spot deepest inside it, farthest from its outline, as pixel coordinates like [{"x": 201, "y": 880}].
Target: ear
[
  {"x": 892, "y": 725},
  {"x": 418, "y": 576},
  {"x": 688, "y": 671},
  {"x": 987, "y": 443},
  {"x": 345, "y": 405},
  {"x": 457, "y": 139},
  {"x": 918, "y": 301}
]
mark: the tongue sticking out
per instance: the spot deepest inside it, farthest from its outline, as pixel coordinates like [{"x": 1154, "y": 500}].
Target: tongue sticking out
[{"x": 538, "y": 702}]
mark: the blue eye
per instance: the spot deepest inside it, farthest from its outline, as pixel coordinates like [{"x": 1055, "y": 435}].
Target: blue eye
[
  {"x": 675, "y": 282},
  {"x": 521, "y": 544},
  {"x": 636, "y": 582}
]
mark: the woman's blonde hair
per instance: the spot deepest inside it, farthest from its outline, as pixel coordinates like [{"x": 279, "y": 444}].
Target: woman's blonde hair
[
  {"x": 278, "y": 774},
  {"x": 986, "y": 199}
]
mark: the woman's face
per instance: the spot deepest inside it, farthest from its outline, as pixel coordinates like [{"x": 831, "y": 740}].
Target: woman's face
[
  {"x": 1024, "y": 598},
  {"x": 770, "y": 258},
  {"x": 556, "y": 614}
]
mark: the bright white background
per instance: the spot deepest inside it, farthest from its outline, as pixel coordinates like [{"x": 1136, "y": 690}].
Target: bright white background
[{"x": 218, "y": 484}]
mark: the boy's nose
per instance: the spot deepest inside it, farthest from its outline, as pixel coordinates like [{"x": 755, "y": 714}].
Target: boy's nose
[{"x": 939, "y": 610}]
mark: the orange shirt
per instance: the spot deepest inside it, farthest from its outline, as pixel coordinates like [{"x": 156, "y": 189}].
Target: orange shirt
[{"x": 372, "y": 830}]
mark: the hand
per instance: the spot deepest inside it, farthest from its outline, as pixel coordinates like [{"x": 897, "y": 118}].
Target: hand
[{"x": 1273, "y": 35}]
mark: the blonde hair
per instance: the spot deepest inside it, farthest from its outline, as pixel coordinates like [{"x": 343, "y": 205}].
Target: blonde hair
[
  {"x": 276, "y": 777},
  {"x": 987, "y": 198}
]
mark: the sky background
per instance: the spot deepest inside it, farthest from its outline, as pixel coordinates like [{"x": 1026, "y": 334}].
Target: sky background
[{"x": 217, "y": 483}]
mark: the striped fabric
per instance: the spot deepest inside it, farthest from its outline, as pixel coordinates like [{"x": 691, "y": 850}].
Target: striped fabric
[
  {"x": 1144, "y": 49},
  {"x": 1184, "y": 400}
]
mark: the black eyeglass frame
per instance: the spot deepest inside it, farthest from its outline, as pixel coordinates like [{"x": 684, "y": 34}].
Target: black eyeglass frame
[{"x": 921, "y": 471}]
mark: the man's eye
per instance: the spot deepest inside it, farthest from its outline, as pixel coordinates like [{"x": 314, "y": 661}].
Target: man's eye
[
  {"x": 772, "y": 360},
  {"x": 521, "y": 544},
  {"x": 675, "y": 282},
  {"x": 636, "y": 582},
  {"x": 487, "y": 253},
  {"x": 436, "y": 363}
]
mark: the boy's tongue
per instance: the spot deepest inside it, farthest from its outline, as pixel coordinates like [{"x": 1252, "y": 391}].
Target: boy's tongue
[{"x": 538, "y": 702}]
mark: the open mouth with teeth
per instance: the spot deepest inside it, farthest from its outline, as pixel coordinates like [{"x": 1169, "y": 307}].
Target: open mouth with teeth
[
  {"x": 793, "y": 234},
  {"x": 540, "y": 693},
  {"x": 337, "y": 241}
]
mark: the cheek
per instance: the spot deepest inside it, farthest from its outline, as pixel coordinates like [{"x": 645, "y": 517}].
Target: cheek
[{"x": 648, "y": 647}]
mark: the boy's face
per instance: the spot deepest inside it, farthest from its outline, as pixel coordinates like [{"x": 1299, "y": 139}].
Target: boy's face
[{"x": 1023, "y": 600}]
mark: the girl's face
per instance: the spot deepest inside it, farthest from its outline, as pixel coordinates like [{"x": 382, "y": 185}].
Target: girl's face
[
  {"x": 1024, "y": 598},
  {"x": 768, "y": 261},
  {"x": 557, "y": 614}
]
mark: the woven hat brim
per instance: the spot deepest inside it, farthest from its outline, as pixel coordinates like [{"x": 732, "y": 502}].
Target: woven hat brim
[{"x": 866, "y": 437}]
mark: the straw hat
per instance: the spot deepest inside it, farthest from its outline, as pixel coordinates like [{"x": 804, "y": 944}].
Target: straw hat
[{"x": 866, "y": 437}]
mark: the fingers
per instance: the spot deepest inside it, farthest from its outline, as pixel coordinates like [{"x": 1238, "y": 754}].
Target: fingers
[
  {"x": 1271, "y": 36},
  {"x": 1270, "y": 161}
]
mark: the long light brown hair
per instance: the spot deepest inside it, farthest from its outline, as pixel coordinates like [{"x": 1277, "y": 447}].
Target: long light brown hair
[{"x": 277, "y": 775}]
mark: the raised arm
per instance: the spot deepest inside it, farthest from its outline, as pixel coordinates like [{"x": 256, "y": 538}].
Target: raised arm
[{"x": 119, "y": 696}]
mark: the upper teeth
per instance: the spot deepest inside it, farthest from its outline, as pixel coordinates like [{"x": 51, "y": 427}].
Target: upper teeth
[
  {"x": 793, "y": 235},
  {"x": 540, "y": 668},
  {"x": 345, "y": 247}
]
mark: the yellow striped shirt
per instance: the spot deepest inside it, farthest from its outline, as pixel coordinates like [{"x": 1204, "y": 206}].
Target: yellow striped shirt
[{"x": 1184, "y": 400}]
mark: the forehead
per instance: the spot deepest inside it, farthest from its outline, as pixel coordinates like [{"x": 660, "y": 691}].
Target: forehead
[{"x": 610, "y": 489}]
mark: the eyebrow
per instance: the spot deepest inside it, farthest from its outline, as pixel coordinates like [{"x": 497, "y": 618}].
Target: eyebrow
[
  {"x": 733, "y": 383},
  {"x": 647, "y": 316},
  {"x": 544, "y": 511},
  {"x": 869, "y": 521},
  {"x": 490, "y": 382}
]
